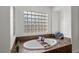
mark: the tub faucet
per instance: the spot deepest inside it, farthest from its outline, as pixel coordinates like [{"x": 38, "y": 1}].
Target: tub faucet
[{"x": 41, "y": 38}]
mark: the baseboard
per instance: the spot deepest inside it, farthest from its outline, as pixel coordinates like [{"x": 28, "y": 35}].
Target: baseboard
[{"x": 75, "y": 51}]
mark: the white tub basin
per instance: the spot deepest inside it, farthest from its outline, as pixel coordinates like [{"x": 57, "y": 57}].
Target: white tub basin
[{"x": 35, "y": 45}]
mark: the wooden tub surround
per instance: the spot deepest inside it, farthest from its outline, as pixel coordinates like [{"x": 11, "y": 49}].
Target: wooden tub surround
[{"x": 64, "y": 45}]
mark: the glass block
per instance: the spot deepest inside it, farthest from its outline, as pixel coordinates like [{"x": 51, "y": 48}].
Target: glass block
[
  {"x": 42, "y": 20},
  {"x": 40, "y": 17},
  {"x": 46, "y": 15},
  {"x": 36, "y": 13},
  {"x": 33, "y": 16},
  {"x": 40, "y": 14},
  {"x": 33, "y": 13},
  {"x": 33, "y": 23},
  {"x": 36, "y": 20},
  {"x": 25, "y": 20},
  {"x": 36, "y": 23},
  {"x": 29, "y": 16},
  {"x": 29, "y": 12},
  {"x": 29, "y": 20},
  {"x": 25, "y": 12},
  {"x": 36, "y": 16},
  {"x": 33, "y": 20},
  {"x": 25, "y": 16}
]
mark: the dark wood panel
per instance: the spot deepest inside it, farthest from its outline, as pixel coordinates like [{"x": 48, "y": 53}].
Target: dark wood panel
[{"x": 65, "y": 49}]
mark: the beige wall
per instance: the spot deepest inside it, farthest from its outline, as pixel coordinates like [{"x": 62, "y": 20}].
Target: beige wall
[
  {"x": 55, "y": 21},
  {"x": 62, "y": 16},
  {"x": 4, "y": 29},
  {"x": 75, "y": 28},
  {"x": 65, "y": 21}
]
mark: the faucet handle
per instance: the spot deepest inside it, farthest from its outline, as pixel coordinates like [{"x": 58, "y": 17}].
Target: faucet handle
[
  {"x": 39, "y": 39},
  {"x": 42, "y": 39}
]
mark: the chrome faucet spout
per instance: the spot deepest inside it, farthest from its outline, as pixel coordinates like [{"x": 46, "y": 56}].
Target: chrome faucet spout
[{"x": 41, "y": 38}]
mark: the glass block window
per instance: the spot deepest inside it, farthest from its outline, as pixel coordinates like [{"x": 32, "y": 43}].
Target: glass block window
[{"x": 35, "y": 22}]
